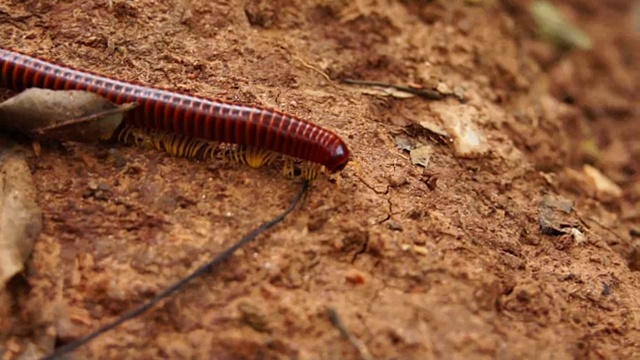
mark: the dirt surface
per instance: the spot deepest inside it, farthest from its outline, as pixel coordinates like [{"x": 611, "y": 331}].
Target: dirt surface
[{"x": 509, "y": 249}]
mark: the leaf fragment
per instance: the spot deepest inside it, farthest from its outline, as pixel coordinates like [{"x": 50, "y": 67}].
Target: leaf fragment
[
  {"x": 20, "y": 215},
  {"x": 421, "y": 155}
]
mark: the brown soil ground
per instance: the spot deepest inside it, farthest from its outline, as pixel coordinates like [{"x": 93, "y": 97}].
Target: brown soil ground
[{"x": 459, "y": 270}]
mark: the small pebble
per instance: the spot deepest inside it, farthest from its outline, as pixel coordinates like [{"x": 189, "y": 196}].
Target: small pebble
[
  {"x": 458, "y": 91},
  {"x": 421, "y": 250},
  {"x": 355, "y": 277},
  {"x": 392, "y": 225},
  {"x": 397, "y": 180},
  {"x": 92, "y": 185},
  {"x": 254, "y": 317},
  {"x": 118, "y": 159}
]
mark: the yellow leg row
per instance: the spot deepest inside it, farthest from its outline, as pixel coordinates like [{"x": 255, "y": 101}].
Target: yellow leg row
[{"x": 183, "y": 146}]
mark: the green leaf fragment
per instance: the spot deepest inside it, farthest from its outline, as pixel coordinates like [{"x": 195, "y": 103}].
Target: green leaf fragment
[{"x": 553, "y": 26}]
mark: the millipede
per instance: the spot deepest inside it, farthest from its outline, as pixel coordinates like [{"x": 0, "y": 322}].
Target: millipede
[{"x": 187, "y": 125}]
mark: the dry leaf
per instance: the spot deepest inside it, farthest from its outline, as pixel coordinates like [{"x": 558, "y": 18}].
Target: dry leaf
[
  {"x": 20, "y": 216},
  {"x": 61, "y": 115},
  {"x": 421, "y": 155}
]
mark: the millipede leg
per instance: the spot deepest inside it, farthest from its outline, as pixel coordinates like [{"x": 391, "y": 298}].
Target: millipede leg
[
  {"x": 209, "y": 149},
  {"x": 177, "y": 145},
  {"x": 289, "y": 168},
  {"x": 255, "y": 157},
  {"x": 357, "y": 166},
  {"x": 305, "y": 170},
  {"x": 168, "y": 143},
  {"x": 310, "y": 170},
  {"x": 130, "y": 134},
  {"x": 231, "y": 154},
  {"x": 124, "y": 134},
  {"x": 184, "y": 146},
  {"x": 193, "y": 147},
  {"x": 156, "y": 139}
]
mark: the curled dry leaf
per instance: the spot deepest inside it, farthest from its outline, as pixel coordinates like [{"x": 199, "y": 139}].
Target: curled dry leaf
[
  {"x": 61, "y": 115},
  {"x": 20, "y": 216}
]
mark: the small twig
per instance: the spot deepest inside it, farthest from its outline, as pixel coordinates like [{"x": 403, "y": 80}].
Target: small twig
[
  {"x": 597, "y": 222},
  {"x": 314, "y": 68},
  {"x": 427, "y": 93},
  {"x": 359, "y": 345},
  {"x": 223, "y": 256}
]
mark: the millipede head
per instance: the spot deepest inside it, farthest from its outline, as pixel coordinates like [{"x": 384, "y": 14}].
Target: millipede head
[{"x": 338, "y": 158}]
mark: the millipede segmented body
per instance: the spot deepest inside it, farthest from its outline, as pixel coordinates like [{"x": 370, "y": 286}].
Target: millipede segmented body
[{"x": 185, "y": 115}]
